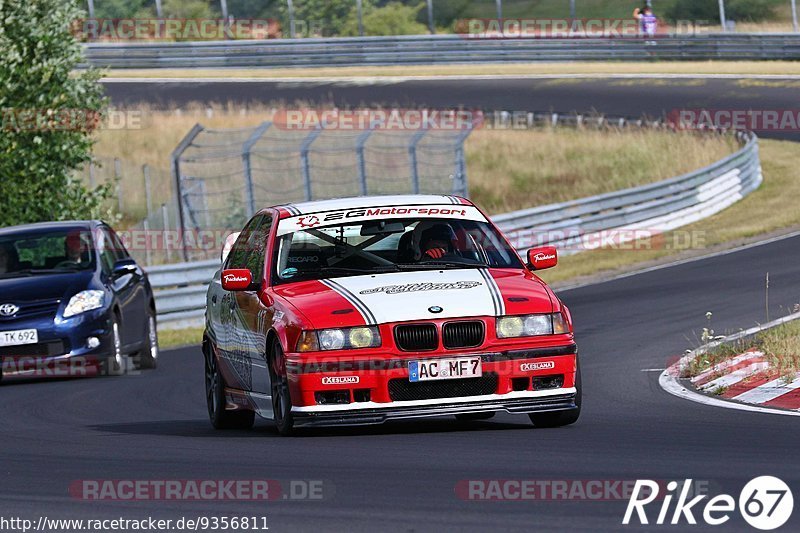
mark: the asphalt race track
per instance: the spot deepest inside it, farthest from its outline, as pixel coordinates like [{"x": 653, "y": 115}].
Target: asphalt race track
[
  {"x": 625, "y": 97},
  {"x": 401, "y": 476}
]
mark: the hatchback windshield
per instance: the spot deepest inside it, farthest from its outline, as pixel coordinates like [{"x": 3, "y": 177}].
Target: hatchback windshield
[
  {"x": 33, "y": 253},
  {"x": 377, "y": 246}
]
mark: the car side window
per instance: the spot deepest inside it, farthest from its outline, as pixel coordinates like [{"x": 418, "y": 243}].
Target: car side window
[
  {"x": 120, "y": 252},
  {"x": 258, "y": 248},
  {"x": 105, "y": 249},
  {"x": 247, "y": 242}
]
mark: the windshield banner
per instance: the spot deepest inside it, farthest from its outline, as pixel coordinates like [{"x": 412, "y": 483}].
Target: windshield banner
[{"x": 362, "y": 214}]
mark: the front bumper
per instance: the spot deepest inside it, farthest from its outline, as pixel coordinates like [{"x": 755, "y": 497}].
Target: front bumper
[
  {"x": 62, "y": 349},
  {"x": 519, "y": 402},
  {"x": 373, "y": 390}
]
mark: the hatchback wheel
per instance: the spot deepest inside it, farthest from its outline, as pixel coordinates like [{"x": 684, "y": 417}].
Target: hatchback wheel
[{"x": 148, "y": 357}]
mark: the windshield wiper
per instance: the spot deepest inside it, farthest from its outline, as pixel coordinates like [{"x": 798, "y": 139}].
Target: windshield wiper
[{"x": 454, "y": 264}]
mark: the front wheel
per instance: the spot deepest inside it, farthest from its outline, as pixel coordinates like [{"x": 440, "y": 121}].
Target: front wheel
[
  {"x": 281, "y": 397},
  {"x": 118, "y": 364},
  {"x": 148, "y": 358},
  {"x": 215, "y": 399}
]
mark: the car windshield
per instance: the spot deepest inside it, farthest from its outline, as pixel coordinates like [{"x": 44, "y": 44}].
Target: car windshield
[
  {"x": 390, "y": 245},
  {"x": 33, "y": 253}
]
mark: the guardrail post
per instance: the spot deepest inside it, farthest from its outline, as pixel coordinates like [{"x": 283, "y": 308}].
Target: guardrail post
[
  {"x": 304, "y": 149},
  {"x": 412, "y": 154},
  {"x": 362, "y": 167},
  {"x": 248, "y": 171},
  {"x": 176, "y": 175}
]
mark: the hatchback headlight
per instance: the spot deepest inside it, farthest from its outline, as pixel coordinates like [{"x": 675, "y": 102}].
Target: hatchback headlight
[
  {"x": 84, "y": 301},
  {"x": 530, "y": 325},
  {"x": 339, "y": 339}
]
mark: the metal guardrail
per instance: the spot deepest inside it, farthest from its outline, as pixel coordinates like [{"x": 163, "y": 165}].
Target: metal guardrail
[
  {"x": 181, "y": 288},
  {"x": 439, "y": 49},
  {"x": 652, "y": 208}
]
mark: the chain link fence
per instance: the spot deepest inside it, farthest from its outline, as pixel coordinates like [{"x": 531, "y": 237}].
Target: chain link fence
[{"x": 225, "y": 176}]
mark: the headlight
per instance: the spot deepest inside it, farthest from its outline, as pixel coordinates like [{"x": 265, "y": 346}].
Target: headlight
[
  {"x": 530, "y": 325},
  {"x": 331, "y": 339},
  {"x": 84, "y": 301},
  {"x": 339, "y": 339}
]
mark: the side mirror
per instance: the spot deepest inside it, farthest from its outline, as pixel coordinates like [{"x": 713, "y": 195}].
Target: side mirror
[
  {"x": 123, "y": 266},
  {"x": 237, "y": 279},
  {"x": 542, "y": 257},
  {"x": 229, "y": 242}
]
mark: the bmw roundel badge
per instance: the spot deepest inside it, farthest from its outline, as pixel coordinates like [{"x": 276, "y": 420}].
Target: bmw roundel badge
[{"x": 435, "y": 309}]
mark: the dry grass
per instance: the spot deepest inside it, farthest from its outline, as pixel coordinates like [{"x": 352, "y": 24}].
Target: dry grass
[
  {"x": 510, "y": 170},
  {"x": 771, "y": 208},
  {"x": 745, "y": 68},
  {"x": 781, "y": 345},
  {"x": 506, "y": 170}
]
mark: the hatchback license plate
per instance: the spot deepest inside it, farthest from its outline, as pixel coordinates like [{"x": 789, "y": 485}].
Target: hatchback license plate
[
  {"x": 433, "y": 369},
  {"x": 19, "y": 337}
]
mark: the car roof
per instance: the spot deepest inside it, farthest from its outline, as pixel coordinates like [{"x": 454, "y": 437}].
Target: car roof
[
  {"x": 336, "y": 204},
  {"x": 44, "y": 226}
]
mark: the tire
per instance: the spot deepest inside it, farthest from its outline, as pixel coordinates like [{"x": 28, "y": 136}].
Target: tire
[
  {"x": 148, "y": 357},
  {"x": 215, "y": 398},
  {"x": 118, "y": 363},
  {"x": 279, "y": 387},
  {"x": 468, "y": 417},
  {"x": 561, "y": 418}
]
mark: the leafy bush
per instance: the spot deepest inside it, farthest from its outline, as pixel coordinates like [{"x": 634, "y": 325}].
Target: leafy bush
[
  {"x": 39, "y": 150},
  {"x": 392, "y": 19}
]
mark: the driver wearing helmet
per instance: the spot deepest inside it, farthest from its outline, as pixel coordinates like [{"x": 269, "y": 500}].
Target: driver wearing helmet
[{"x": 433, "y": 240}]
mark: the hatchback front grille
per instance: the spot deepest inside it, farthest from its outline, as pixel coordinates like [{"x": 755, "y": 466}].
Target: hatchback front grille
[
  {"x": 463, "y": 334},
  {"x": 416, "y": 337},
  {"x": 42, "y": 349},
  {"x": 403, "y": 390}
]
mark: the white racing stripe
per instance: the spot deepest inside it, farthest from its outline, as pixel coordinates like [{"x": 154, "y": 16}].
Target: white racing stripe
[{"x": 407, "y": 296}]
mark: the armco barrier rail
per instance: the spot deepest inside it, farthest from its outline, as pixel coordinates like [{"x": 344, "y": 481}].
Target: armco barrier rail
[
  {"x": 661, "y": 206},
  {"x": 652, "y": 208},
  {"x": 438, "y": 49}
]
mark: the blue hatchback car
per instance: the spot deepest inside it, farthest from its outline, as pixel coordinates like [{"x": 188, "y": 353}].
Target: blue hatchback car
[{"x": 72, "y": 302}]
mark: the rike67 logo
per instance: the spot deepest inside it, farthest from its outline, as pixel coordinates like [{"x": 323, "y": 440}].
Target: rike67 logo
[{"x": 765, "y": 503}]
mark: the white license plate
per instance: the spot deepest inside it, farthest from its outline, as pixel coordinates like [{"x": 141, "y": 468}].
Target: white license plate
[
  {"x": 19, "y": 337},
  {"x": 432, "y": 369}
]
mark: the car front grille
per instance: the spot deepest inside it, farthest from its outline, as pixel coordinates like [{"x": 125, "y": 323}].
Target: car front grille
[
  {"x": 35, "y": 308},
  {"x": 403, "y": 390},
  {"x": 468, "y": 334},
  {"x": 416, "y": 337},
  {"x": 42, "y": 349}
]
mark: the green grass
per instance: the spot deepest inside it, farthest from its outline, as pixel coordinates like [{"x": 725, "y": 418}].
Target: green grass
[{"x": 176, "y": 338}]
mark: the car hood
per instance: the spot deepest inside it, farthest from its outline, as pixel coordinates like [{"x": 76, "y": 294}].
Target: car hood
[
  {"x": 43, "y": 287},
  {"x": 409, "y": 296}
]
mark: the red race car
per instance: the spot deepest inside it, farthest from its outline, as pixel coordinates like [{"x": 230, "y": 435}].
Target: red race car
[{"x": 363, "y": 310}]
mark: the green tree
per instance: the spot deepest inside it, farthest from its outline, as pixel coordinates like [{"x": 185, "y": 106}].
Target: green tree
[
  {"x": 392, "y": 19},
  {"x": 46, "y": 115}
]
